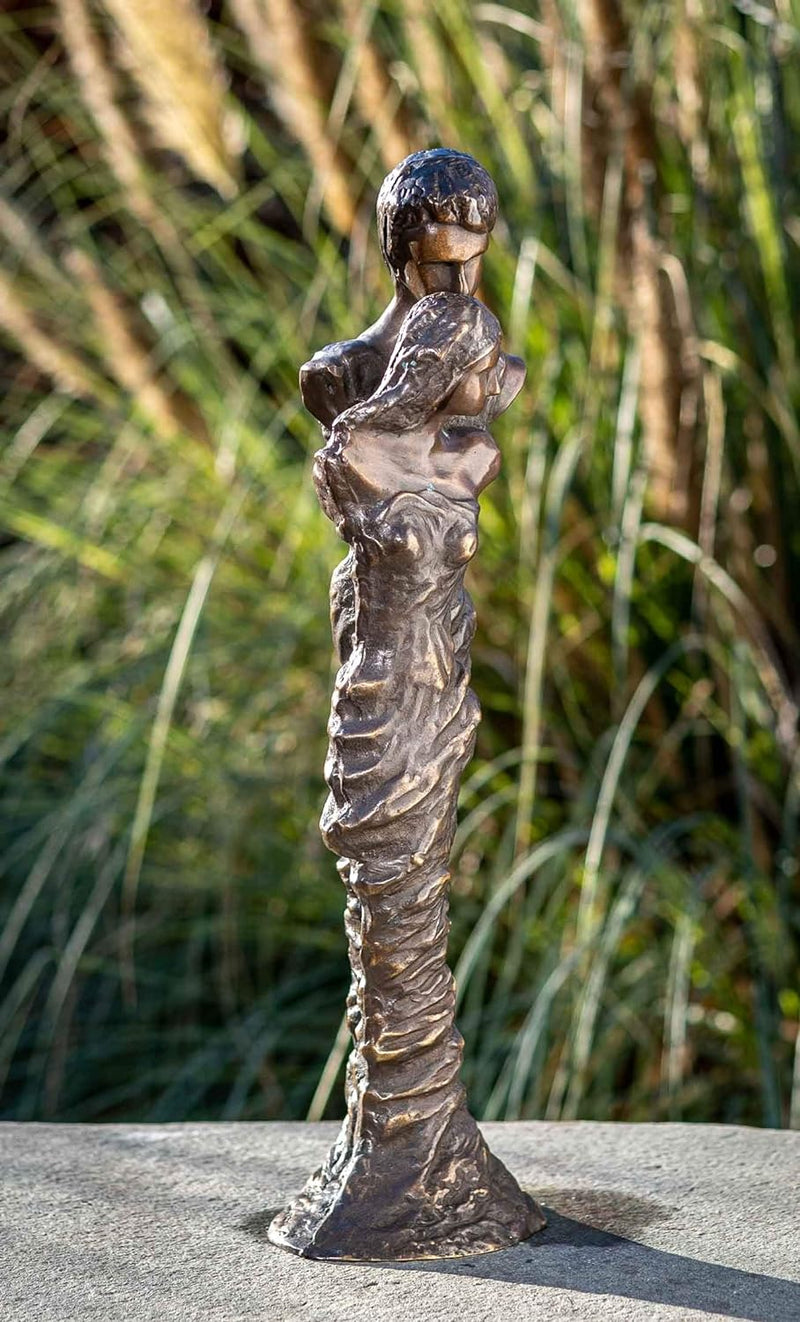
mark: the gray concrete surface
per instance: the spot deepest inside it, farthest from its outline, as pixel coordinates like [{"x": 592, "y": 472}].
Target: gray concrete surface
[{"x": 168, "y": 1222}]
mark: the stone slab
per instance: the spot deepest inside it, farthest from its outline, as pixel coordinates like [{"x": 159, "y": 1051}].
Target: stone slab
[{"x": 132, "y": 1223}]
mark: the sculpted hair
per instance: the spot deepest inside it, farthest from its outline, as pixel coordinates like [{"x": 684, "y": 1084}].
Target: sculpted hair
[
  {"x": 442, "y": 337},
  {"x": 439, "y": 186}
]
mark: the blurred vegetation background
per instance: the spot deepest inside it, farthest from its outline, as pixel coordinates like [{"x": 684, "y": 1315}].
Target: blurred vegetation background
[{"x": 186, "y": 213}]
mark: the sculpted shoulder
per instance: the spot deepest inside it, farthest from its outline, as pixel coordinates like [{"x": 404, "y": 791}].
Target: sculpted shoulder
[{"x": 340, "y": 375}]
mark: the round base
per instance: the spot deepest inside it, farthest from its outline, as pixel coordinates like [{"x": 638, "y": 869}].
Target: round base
[
  {"x": 481, "y": 1239},
  {"x": 391, "y": 1202}
]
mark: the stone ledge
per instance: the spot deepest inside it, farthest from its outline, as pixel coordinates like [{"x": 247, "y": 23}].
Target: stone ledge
[{"x": 168, "y": 1222}]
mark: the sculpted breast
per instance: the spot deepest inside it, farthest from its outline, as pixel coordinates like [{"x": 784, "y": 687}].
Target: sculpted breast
[{"x": 424, "y": 526}]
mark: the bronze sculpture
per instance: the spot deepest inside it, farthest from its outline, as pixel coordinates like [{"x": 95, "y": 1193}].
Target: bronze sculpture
[
  {"x": 436, "y": 211},
  {"x": 410, "y": 1175}
]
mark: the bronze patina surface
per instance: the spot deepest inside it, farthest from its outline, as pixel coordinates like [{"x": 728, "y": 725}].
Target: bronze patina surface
[
  {"x": 436, "y": 212},
  {"x": 410, "y": 1175}
]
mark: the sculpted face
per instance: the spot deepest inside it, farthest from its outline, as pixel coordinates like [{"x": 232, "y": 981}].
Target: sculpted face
[
  {"x": 444, "y": 258},
  {"x": 483, "y": 380}
]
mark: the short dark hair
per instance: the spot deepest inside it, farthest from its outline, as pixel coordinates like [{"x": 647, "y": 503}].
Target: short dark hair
[{"x": 439, "y": 186}]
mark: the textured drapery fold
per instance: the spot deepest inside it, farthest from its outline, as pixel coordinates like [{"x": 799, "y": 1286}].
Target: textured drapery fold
[{"x": 410, "y": 1174}]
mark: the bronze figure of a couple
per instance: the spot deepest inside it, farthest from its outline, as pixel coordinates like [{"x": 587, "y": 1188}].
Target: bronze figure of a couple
[
  {"x": 405, "y": 411},
  {"x": 436, "y": 211}
]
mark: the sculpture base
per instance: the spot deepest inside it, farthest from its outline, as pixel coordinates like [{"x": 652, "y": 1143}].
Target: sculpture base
[{"x": 400, "y": 1199}]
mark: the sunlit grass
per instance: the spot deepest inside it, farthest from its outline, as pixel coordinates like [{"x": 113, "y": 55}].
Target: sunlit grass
[{"x": 625, "y": 880}]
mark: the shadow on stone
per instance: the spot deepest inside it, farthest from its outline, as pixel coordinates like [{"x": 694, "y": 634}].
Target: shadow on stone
[
  {"x": 593, "y": 1255},
  {"x": 603, "y": 1209},
  {"x": 257, "y": 1224},
  {"x": 588, "y": 1257}
]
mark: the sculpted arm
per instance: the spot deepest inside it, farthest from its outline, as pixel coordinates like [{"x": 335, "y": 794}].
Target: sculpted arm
[
  {"x": 324, "y": 383},
  {"x": 340, "y": 375}
]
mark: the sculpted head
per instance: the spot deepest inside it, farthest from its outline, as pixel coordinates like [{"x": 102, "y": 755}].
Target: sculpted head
[{"x": 436, "y": 211}]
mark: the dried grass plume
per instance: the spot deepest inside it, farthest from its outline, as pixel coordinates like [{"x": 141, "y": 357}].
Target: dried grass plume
[{"x": 167, "y": 48}]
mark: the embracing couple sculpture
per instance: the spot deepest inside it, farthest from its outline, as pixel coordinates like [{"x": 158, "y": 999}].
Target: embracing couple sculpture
[{"x": 405, "y": 412}]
